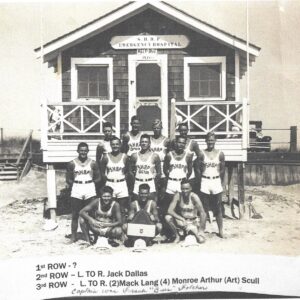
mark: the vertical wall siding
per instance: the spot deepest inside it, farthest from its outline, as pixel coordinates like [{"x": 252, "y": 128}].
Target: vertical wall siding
[{"x": 153, "y": 23}]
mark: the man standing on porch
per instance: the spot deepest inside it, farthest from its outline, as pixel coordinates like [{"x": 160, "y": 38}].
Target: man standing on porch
[
  {"x": 114, "y": 167},
  {"x": 211, "y": 167},
  {"x": 193, "y": 149},
  {"x": 177, "y": 166},
  {"x": 131, "y": 139},
  {"x": 160, "y": 145},
  {"x": 81, "y": 177},
  {"x": 145, "y": 167}
]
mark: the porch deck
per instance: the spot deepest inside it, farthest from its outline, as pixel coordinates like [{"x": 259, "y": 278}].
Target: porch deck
[{"x": 68, "y": 123}]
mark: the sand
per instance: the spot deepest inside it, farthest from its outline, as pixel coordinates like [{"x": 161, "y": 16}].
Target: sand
[{"x": 21, "y": 213}]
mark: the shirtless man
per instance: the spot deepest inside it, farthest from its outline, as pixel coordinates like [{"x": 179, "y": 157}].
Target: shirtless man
[
  {"x": 177, "y": 166},
  {"x": 114, "y": 166},
  {"x": 82, "y": 176},
  {"x": 193, "y": 149},
  {"x": 160, "y": 145},
  {"x": 102, "y": 216},
  {"x": 148, "y": 205},
  {"x": 131, "y": 140},
  {"x": 186, "y": 212},
  {"x": 145, "y": 167},
  {"x": 212, "y": 169}
]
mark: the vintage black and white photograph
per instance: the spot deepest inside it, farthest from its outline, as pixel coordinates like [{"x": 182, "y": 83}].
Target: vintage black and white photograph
[{"x": 153, "y": 137}]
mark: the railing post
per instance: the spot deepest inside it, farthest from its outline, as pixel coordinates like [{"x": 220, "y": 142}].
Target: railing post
[
  {"x": 293, "y": 138},
  {"x": 172, "y": 119},
  {"x": 44, "y": 125},
  {"x": 245, "y": 124},
  {"x": 118, "y": 121}
]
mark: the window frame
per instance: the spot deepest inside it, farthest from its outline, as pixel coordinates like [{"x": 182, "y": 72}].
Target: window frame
[
  {"x": 204, "y": 60},
  {"x": 91, "y": 62}
]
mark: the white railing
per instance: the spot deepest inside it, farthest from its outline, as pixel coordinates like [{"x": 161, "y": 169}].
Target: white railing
[
  {"x": 78, "y": 119},
  {"x": 225, "y": 118}
]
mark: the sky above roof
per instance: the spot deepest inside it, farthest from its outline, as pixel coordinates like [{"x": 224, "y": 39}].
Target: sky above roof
[{"x": 274, "y": 77}]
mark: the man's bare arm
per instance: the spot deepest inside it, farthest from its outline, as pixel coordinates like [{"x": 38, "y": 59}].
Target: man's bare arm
[
  {"x": 172, "y": 208},
  {"x": 222, "y": 165},
  {"x": 117, "y": 216},
  {"x": 125, "y": 140},
  {"x": 189, "y": 161},
  {"x": 166, "y": 166},
  {"x": 154, "y": 212},
  {"x": 196, "y": 149},
  {"x": 201, "y": 163},
  {"x": 103, "y": 164},
  {"x": 131, "y": 212},
  {"x": 96, "y": 172},
  {"x": 157, "y": 165},
  {"x": 197, "y": 202},
  {"x": 132, "y": 168},
  {"x": 70, "y": 174},
  {"x": 84, "y": 213},
  {"x": 168, "y": 144},
  {"x": 99, "y": 152}
]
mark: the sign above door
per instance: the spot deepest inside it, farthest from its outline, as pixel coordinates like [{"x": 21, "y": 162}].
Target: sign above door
[{"x": 149, "y": 42}]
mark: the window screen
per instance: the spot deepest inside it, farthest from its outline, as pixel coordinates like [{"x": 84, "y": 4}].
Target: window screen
[
  {"x": 93, "y": 82},
  {"x": 147, "y": 114},
  {"x": 148, "y": 80},
  {"x": 205, "y": 80}
]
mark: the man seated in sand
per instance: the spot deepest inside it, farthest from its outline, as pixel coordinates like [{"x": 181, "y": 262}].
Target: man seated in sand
[
  {"x": 186, "y": 213},
  {"x": 102, "y": 216},
  {"x": 147, "y": 206}
]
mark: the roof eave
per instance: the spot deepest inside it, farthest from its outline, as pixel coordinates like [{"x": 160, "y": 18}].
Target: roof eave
[{"x": 132, "y": 8}]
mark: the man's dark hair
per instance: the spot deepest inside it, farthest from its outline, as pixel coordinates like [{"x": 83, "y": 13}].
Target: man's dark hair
[
  {"x": 107, "y": 124},
  {"x": 179, "y": 137},
  {"x": 183, "y": 124},
  {"x": 144, "y": 186},
  {"x": 82, "y": 144},
  {"x": 184, "y": 181},
  {"x": 145, "y": 136},
  {"x": 107, "y": 189},
  {"x": 114, "y": 138},
  {"x": 209, "y": 134},
  {"x": 134, "y": 118}
]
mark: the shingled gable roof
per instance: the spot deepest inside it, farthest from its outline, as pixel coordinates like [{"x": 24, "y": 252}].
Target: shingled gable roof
[{"x": 133, "y": 8}]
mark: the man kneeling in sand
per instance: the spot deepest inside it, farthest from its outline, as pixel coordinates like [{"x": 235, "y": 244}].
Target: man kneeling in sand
[
  {"x": 143, "y": 211},
  {"x": 186, "y": 213},
  {"x": 102, "y": 216}
]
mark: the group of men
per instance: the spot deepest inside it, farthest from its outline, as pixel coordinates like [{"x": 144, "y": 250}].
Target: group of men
[{"x": 163, "y": 178}]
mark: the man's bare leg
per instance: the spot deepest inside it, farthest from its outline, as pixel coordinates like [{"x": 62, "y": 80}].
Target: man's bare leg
[
  {"x": 194, "y": 231},
  {"x": 75, "y": 216},
  {"x": 170, "y": 222},
  {"x": 219, "y": 214},
  {"x": 85, "y": 229}
]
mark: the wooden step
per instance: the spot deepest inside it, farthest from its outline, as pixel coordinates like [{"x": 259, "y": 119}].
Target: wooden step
[
  {"x": 8, "y": 177},
  {"x": 9, "y": 171}
]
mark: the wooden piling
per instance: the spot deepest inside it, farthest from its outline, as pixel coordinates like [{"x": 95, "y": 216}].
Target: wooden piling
[
  {"x": 293, "y": 139},
  {"x": 241, "y": 188}
]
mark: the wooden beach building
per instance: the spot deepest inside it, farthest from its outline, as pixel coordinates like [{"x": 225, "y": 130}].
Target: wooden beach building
[{"x": 151, "y": 59}]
